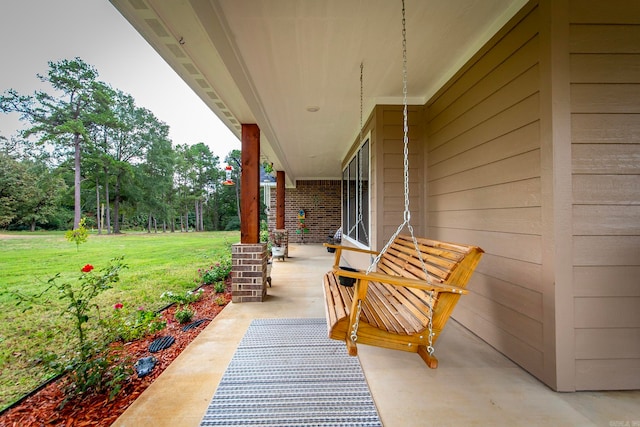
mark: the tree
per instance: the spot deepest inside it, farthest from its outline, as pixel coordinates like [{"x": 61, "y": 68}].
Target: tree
[
  {"x": 44, "y": 194},
  {"x": 63, "y": 119},
  {"x": 182, "y": 184},
  {"x": 235, "y": 158},
  {"x": 197, "y": 175},
  {"x": 203, "y": 175},
  {"x": 12, "y": 191},
  {"x": 123, "y": 143},
  {"x": 155, "y": 178}
]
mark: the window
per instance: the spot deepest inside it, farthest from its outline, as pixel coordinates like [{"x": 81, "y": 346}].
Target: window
[{"x": 355, "y": 196}]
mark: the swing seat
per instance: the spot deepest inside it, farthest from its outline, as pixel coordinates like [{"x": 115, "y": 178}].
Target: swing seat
[{"x": 395, "y": 299}]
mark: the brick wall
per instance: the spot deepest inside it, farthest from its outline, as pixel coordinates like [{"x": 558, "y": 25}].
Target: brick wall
[
  {"x": 248, "y": 272},
  {"x": 321, "y": 201}
]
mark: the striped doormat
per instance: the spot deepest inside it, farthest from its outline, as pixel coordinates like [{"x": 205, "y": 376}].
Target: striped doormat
[{"x": 286, "y": 372}]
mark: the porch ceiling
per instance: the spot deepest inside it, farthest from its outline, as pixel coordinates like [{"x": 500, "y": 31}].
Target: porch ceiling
[{"x": 269, "y": 61}]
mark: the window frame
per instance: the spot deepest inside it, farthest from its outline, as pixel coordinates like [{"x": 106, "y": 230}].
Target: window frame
[{"x": 351, "y": 230}]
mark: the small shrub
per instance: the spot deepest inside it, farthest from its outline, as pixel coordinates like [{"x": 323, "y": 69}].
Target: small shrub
[
  {"x": 79, "y": 235},
  {"x": 91, "y": 365},
  {"x": 264, "y": 234},
  {"x": 183, "y": 299},
  {"x": 128, "y": 326},
  {"x": 220, "y": 301},
  {"x": 217, "y": 272},
  {"x": 220, "y": 287},
  {"x": 184, "y": 315}
]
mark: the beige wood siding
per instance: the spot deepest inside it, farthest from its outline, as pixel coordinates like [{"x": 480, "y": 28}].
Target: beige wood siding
[
  {"x": 387, "y": 175},
  {"x": 605, "y": 120},
  {"x": 391, "y": 174},
  {"x": 483, "y": 174}
]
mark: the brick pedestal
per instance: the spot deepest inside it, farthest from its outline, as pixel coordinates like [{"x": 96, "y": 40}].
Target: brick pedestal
[{"x": 249, "y": 272}]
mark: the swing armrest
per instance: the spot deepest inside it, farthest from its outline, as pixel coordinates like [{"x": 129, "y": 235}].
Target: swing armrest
[
  {"x": 340, "y": 248},
  {"x": 400, "y": 281}
]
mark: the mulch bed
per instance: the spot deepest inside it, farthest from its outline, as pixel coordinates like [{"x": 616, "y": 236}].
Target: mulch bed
[{"x": 43, "y": 407}]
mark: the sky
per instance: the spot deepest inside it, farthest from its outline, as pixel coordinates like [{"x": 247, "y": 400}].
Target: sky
[{"x": 33, "y": 32}]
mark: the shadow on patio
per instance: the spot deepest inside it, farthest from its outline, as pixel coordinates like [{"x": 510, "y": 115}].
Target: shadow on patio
[{"x": 473, "y": 385}]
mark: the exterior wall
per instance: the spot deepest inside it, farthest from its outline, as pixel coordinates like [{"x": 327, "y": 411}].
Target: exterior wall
[
  {"x": 604, "y": 45},
  {"x": 533, "y": 153},
  {"x": 390, "y": 170},
  {"x": 321, "y": 202},
  {"x": 484, "y": 184},
  {"x": 387, "y": 179}
]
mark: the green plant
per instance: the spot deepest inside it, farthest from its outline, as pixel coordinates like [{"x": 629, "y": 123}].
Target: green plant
[
  {"x": 264, "y": 234},
  {"x": 268, "y": 167},
  {"x": 217, "y": 272},
  {"x": 79, "y": 235},
  {"x": 90, "y": 365},
  {"x": 184, "y": 315},
  {"x": 277, "y": 238},
  {"x": 125, "y": 325},
  {"x": 219, "y": 287},
  {"x": 183, "y": 299},
  {"x": 220, "y": 300}
]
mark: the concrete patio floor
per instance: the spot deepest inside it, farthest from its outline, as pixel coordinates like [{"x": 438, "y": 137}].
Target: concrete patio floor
[{"x": 474, "y": 385}]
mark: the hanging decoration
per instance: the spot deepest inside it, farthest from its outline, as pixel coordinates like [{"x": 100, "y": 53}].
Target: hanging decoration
[
  {"x": 302, "y": 228},
  {"x": 228, "y": 181}
]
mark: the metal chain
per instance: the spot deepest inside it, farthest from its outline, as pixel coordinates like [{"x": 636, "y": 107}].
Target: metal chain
[
  {"x": 359, "y": 221},
  {"x": 354, "y": 330},
  {"x": 430, "y": 348},
  {"x": 359, "y": 163},
  {"x": 361, "y": 90},
  {"x": 407, "y": 212},
  {"x": 405, "y": 118}
]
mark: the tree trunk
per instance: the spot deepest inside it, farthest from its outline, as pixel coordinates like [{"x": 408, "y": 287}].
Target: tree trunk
[
  {"x": 181, "y": 224},
  {"x": 33, "y": 225},
  {"x": 77, "y": 208},
  {"x": 215, "y": 215},
  {"x": 116, "y": 207},
  {"x": 238, "y": 203},
  {"x": 149, "y": 223},
  {"x": 186, "y": 220},
  {"x": 98, "y": 219},
  {"x": 155, "y": 225},
  {"x": 102, "y": 214},
  {"x": 197, "y": 214},
  {"x": 106, "y": 197},
  {"x": 201, "y": 215}
]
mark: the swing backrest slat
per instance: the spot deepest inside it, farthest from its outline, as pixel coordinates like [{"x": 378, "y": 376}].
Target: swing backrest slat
[{"x": 440, "y": 259}]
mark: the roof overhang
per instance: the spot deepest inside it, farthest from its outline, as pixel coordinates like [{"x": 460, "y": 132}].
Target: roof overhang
[{"x": 272, "y": 62}]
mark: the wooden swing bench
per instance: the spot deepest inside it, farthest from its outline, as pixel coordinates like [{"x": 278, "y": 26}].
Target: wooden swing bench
[{"x": 394, "y": 312}]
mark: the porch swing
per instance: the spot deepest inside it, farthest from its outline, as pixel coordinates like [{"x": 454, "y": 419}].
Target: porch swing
[{"x": 405, "y": 297}]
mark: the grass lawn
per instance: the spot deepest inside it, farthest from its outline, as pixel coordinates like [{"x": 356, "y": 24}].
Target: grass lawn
[{"x": 156, "y": 263}]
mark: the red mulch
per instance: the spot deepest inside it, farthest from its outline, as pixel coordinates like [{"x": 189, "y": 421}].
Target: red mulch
[{"x": 42, "y": 408}]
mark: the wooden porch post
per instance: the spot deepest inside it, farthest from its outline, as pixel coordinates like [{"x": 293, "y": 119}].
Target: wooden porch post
[
  {"x": 249, "y": 257},
  {"x": 280, "y": 200},
  {"x": 250, "y": 185}
]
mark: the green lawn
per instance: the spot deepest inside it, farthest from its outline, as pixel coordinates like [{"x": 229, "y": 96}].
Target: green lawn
[{"x": 157, "y": 263}]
